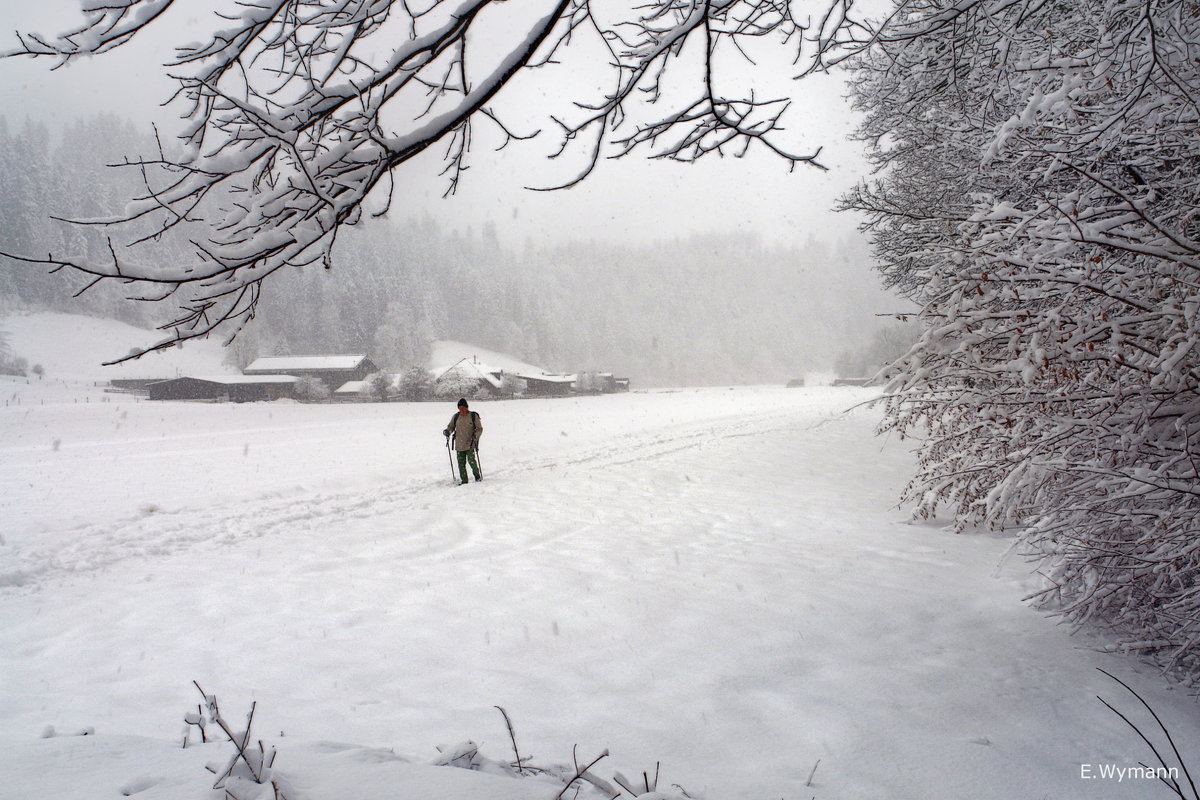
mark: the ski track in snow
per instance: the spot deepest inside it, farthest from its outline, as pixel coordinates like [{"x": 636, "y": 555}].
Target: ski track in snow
[{"x": 161, "y": 533}]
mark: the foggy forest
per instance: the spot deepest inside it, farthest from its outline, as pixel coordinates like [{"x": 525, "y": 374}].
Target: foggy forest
[{"x": 722, "y": 308}]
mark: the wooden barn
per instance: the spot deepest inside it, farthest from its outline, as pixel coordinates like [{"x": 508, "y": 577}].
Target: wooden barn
[
  {"x": 225, "y": 388},
  {"x": 139, "y": 386},
  {"x": 333, "y": 371}
]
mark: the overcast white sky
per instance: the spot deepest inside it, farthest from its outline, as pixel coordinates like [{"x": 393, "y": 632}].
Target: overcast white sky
[{"x": 627, "y": 198}]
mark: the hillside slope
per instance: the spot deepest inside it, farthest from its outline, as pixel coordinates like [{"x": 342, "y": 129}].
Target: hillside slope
[{"x": 72, "y": 347}]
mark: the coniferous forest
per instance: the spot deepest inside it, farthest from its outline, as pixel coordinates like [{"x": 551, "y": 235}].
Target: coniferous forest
[{"x": 728, "y": 308}]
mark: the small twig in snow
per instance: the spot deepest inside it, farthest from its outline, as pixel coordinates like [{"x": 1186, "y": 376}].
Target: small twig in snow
[
  {"x": 579, "y": 773},
  {"x": 1168, "y": 779},
  {"x": 513, "y": 737}
]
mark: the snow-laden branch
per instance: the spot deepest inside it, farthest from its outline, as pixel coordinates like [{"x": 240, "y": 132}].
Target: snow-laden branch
[
  {"x": 1038, "y": 194},
  {"x": 107, "y": 25}
]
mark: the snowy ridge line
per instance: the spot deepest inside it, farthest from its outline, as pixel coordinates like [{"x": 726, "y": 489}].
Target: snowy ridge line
[{"x": 163, "y": 533}]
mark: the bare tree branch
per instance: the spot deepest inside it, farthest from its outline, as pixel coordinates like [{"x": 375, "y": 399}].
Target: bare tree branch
[{"x": 296, "y": 110}]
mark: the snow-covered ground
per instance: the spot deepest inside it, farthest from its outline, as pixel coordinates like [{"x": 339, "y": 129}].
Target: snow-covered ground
[{"x": 718, "y": 580}]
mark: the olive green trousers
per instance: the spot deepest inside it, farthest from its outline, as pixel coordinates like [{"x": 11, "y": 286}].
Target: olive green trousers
[{"x": 463, "y": 457}]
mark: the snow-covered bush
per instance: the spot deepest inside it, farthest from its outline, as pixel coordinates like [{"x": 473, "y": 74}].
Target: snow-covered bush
[
  {"x": 311, "y": 390},
  {"x": 1040, "y": 203}
]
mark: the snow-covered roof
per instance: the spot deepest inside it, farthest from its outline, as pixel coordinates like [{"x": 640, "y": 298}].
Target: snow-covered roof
[
  {"x": 351, "y": 387},
  {"x": 546, "y": 377},
  {"x": 469, "y": 367},
  {"x": 230, "y": 380},
  {"x": 304, "y": 363},
  {"x": 450, "y": 352}
]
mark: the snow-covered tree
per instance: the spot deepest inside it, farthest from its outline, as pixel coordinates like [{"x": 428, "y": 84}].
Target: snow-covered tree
[
  {"x": 461, "y": 380},
  {"x": 416, "y": 384},
  {"x": 297, "y": 110},
  {"x": 377, "y": 386},
  {"x": 311, "y": 390},
  {"x": 1040, "y": 200}
]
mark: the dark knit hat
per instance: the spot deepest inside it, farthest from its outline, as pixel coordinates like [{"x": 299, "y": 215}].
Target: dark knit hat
[{"x": 462, "y": 402}]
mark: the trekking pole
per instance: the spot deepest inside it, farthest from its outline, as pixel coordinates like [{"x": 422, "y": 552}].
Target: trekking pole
[
  {"x": 478, "y": 463},
  {"x": 451, "y": 455}
]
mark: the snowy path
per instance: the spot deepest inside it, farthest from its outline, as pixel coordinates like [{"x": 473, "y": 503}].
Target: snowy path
[{"x": 717, "y": 581}]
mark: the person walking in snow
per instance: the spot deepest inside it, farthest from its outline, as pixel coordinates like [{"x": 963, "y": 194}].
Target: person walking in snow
[{"x": 466, "y": 428}]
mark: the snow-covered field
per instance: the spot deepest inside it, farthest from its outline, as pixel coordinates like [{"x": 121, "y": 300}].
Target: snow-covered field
[{"x": 718, "y": 580}]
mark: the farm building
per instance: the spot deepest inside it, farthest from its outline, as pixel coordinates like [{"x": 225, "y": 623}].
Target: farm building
[
  {"x": 350, "y": 392},
  {"x": 500, "y": 375},
  {"x": 364, "y": 392},
  {"x": 548, "y": 385},
  {"x": 469, "y": 377},
  {"x": 600, "y": 383},
  {"x": 333, "y": 371},
  {"x": 133, "y": 385},
  {"x": 234, "y": 388}
]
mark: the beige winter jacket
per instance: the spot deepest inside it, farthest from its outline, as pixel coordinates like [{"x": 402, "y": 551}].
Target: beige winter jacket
[{"x": 467, "y": 428}]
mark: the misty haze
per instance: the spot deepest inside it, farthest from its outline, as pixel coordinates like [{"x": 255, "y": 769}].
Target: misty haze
[{"x": 699, "y": 309}]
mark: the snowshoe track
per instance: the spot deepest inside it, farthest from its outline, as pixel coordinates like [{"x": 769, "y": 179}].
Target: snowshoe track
[{"x": 162, "y": 533}]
